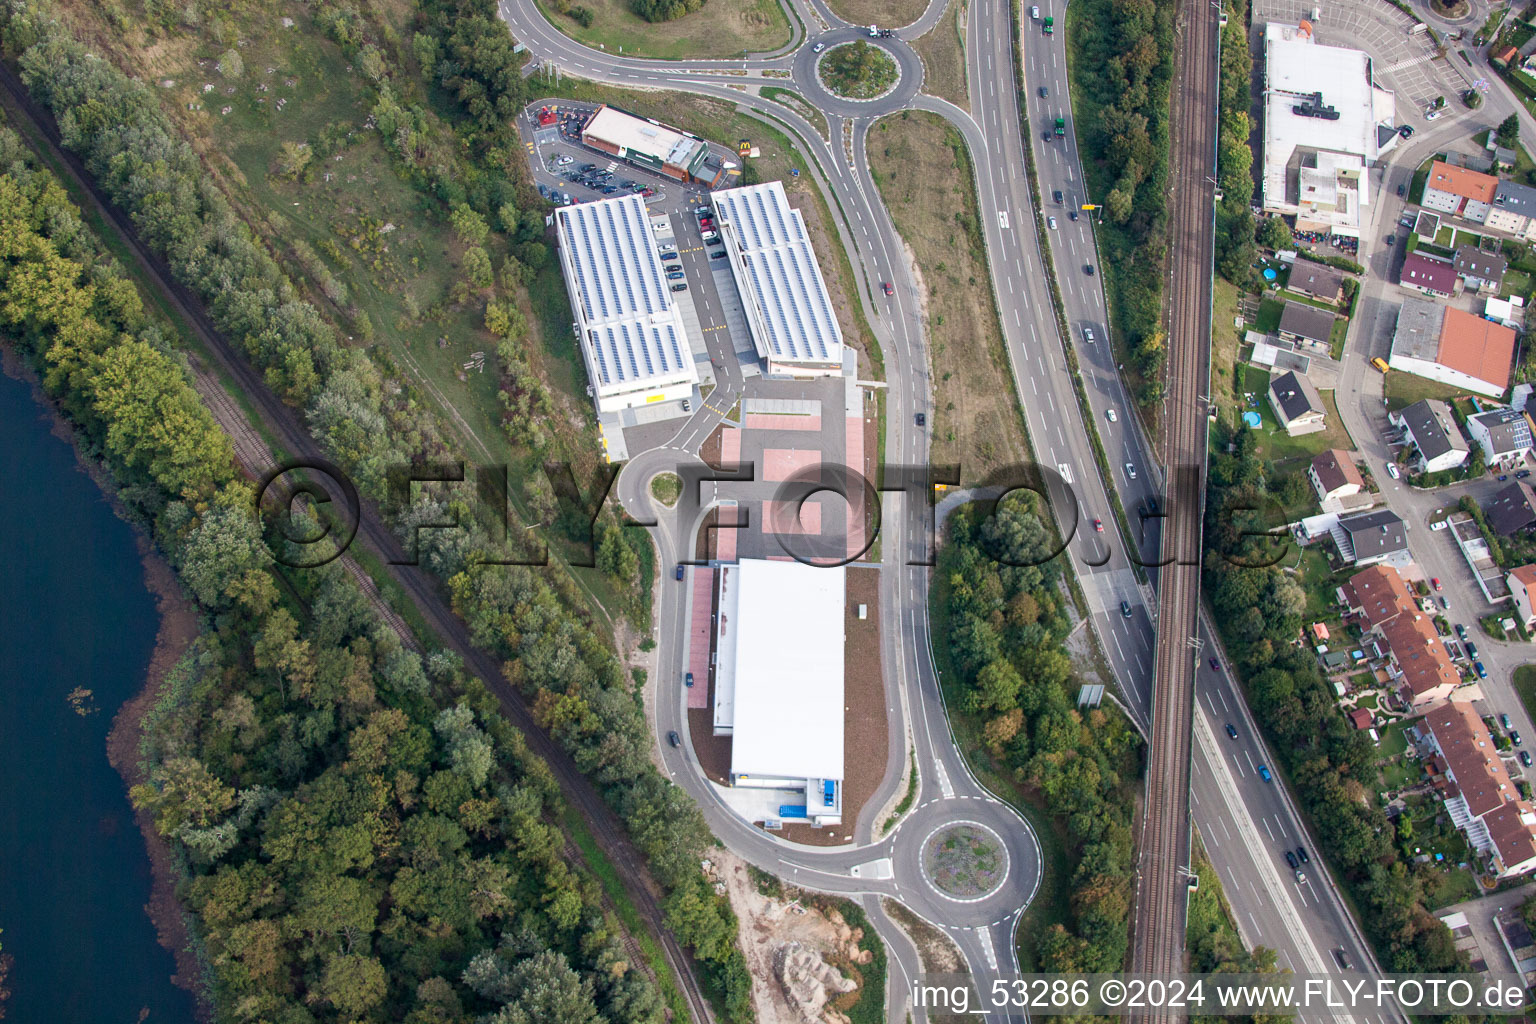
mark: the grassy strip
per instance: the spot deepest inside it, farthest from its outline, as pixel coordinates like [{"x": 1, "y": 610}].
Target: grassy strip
[
  {"x": 794, "y": 101},
  {"x": 628, "y": 915},
  {"x": 907, "y": 799},
  {"x": 1059, "y": 307},
  {"x": 1525, "y": 688}
]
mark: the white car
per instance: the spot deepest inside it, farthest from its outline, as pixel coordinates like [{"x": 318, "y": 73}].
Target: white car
[
  {"x": 1110, "y": 414},
  {"x": 817, "y": 48},
  {"x": 1441, "y": 525},
  {"x": 709, "y": 236},
  {"x": 1392, "y": 470},
  {"x": 1430, "y": 115},
  {"x": 1051, "y": 221},
  {"x": 1088, "y": 337},
  {"x": 1034, "y": 12},
  {"x": 1130, "y": 471}
]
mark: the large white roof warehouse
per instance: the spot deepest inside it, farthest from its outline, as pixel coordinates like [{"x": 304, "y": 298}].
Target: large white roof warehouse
[
  {"x": 793, "y": 324},
  {"x": 631, "y": 335},
  {"x": 1325, "y": 122},
  {"x": 785, "y": 672}
]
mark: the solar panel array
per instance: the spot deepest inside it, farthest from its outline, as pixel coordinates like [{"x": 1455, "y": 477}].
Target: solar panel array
[
  {"x": 634, "y": 351},
  {"x": 618, "y": 273},
  {"x": 781, "y": 274},
  {"x": 629, "y": 322}
]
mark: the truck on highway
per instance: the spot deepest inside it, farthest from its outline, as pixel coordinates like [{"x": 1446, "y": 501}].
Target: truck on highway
[
  {"x": 1049, "y": 25},
  {"x": 1061, "y": 126}
]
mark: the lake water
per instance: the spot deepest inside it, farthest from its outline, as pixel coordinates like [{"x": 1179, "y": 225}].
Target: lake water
[{"x": 74, "y": 875}]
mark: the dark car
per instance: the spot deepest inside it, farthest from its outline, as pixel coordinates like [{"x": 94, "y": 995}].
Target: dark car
[
  {"x": 1264, "y": 773},
  {"x": 718, "y": 254},
  {"x": 609, "y": 190},
  {"x": 666, "y": 256},
  {"x": 1072, "y": 215},
  {"x": 1402, "y": 190},
  {"x": 1044, "y": 92},
  {"x": 1406, "y": 131},
  {"x": 1461, "y": 632},
  {"x": 1471, "y": 648},
  {"x": 1290, "y": 858},
  {"x": 1215, "y": 665},
  {"x": 1525, "y": 758},
  {"x": 1046, "y": 135},
  {"x": 1522, "y": 474},
  {"x": 1345, "y": 962},
  {"x": 1056, "y": 195},
  {"x": 922, "y": 419},
  {"x": 679, "y": 572},
  {"x": 1088, "y": 269},
  {"x": 1514, "y": 736},
  {"x": 1506, "y": 723},
  {"x": 680, "y": 287},
  {"x": 674, "y": 739},
  {"x": 1301, "y": 851},
  {"x": 1503, "y": 477},
  {"x": 687, "y": 678},
  {"x": 1232, "y": 730},
  {"x": 1391, "y": 240},
  {"x": 1125, "y": 608}
]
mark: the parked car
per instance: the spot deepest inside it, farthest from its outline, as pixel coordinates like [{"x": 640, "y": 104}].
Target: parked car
[
  {"x": 1525, "y": 758},
  {"x": 679, "y": 571},
  {"x": 1506, "y": 723},
  {"x": 669, "y": 256},
  {"x": 1402, "y": 190},
  {"x": 1264, "y": 773},
  {"x": 718, "y": 254},
  {"x": 1482, "y": 673},
  {"x": 1461, "y": 634},
  {"x": 1445, "y": 603},
  {"x": 1391, "y": 240},
  {"x": 1514, "y": 736},
  {"x": 1434, "y": 581},
  {"x": 1406, "y": 131},
  {"x": 1392, "y": 471},
  {"x": 1231, "y": 730},
  {"x": 1522, "y": 474},
  {"x": 687, "y": 405},
  {"x": 688, "y": 679},
  {"x": 680, "y": 287},
  {"x": 673, "y": 738},
  {"x": 1471, "y": 647},
  {"x": 1503, "y": 477},
  {"x": 1440, "y": 524}
]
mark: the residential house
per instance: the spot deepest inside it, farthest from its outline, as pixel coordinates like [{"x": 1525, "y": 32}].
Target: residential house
[
  {"x": 1503, "y": 434},
  {"x": 1514, "y": 210},
  {"x": 1506, "y": 57},
  {"x": 1422, "y": 272},
  {"x": 1306, "y": 325},
  {"x": 1480, "y": 797},
  {"x": 1453, "y": 346},
  {"x": 1479, "y": 270},
  {"x": 1297, "y": 404},
  {"x": 1335, "y": 478},
  {"x": 1371, "y": 537},
  {"x": 1511, "y": 509},
  {"x": 1464, "y": 193},
  {"x": 1360, "y": 718},
  {"x": 1417, "y": 660},
  {"x": 1318, "y": 280},
  {"x": 1522, "y": 586},
  {"x": 1431, "y": 429}
]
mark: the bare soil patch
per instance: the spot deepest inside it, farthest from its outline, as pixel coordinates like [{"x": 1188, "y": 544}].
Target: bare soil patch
[
  {"x": 885, "y": 13},
  {"x": 943, "y": 54},
  {"x": 924, "y": 174},
  {"x": 721, "y": 28}
]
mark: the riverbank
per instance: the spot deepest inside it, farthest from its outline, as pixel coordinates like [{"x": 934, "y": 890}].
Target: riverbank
[{"x": 178, "y": 627}]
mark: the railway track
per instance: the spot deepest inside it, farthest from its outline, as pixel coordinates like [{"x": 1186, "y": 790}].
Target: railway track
[
  {"x": 289, "y": 433},
  {"x": 1161, "y": 891}
]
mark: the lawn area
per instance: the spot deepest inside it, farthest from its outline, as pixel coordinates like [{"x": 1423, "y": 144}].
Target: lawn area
[
  {"x": 1226, "y": 343},
  {"x": 1276, "y": 445},
  {"x": 858, "y": 70},
  {"x": 1393, "y": 742},
  {"x": 1317, "y": 580},
  {"x": 1268, "y": 320},
  {"x": 1403, "y": 389},
  {"x": 1516, "y": 282},
  {"x": 721, "y": 28},
  {"x": 943, "y": 53},
  {"x": 799, "y": 104},
  {"x": 1525, "y": 687},
  {"x": 1454, "y": 886},
  {"x": 924, "y": 175},
  {"x": 885, "y": 13}
]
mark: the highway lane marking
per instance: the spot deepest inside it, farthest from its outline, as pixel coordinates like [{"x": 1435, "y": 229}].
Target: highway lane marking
[{"x": 1265, "y": 823}]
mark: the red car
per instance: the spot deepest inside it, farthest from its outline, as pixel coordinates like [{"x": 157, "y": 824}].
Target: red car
[
  {"x": 1435, "y": 582},
  {"x": 1098, "y": 525},
  {"x": 706, "y": 223},
  {"x": 888, "y": 289}
]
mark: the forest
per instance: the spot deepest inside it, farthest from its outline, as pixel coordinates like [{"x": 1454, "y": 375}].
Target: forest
[
  {"x": 1258, "y": 609},
  {"x": 346, "y": 677},
  {"x": 1122, "y": 66},
  {"x": 1008, "y": 616}
]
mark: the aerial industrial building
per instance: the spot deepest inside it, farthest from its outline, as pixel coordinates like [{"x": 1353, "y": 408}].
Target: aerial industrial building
[
  {"x": 1325, "y": 122},
  {"x": 646, "y": 143},
  {"x": 789, "y": 313},
  {"x": 627, "y": 324},
  {"x": 1454, "y": 347},
  {"x": 779, "y": 683}
]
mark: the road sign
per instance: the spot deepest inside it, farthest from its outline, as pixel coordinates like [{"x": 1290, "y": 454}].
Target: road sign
[{"x": 744, "y": 147}]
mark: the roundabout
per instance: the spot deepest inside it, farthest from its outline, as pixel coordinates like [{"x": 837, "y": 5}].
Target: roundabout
[
  {"x": 859, "y": 70},
  {"x": 965, "y": 861},
  {"x": 808, "y": 62}
]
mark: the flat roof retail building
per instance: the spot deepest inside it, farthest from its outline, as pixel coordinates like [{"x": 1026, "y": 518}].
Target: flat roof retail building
[
  {"x": 645, "y": 142},
  {"x": 789, "y": 313},
  {"x": 781, "y": 700},
  {"x": 631, "y": 335}
]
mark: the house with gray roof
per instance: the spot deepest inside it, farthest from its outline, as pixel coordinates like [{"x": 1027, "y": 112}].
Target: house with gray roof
[
  {"x": 1503, "y": 434},
  {"x": 1511, "y": 509},
  {"x": 1297, "y": 405},
  {"x": 1371, "y": 537},
  {"x": 1431, "y": 432},
  {"x": 1478, "y": 269},
  {"x": 1306, "y": 325},
  {"x": 1513, "y": 210}
]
